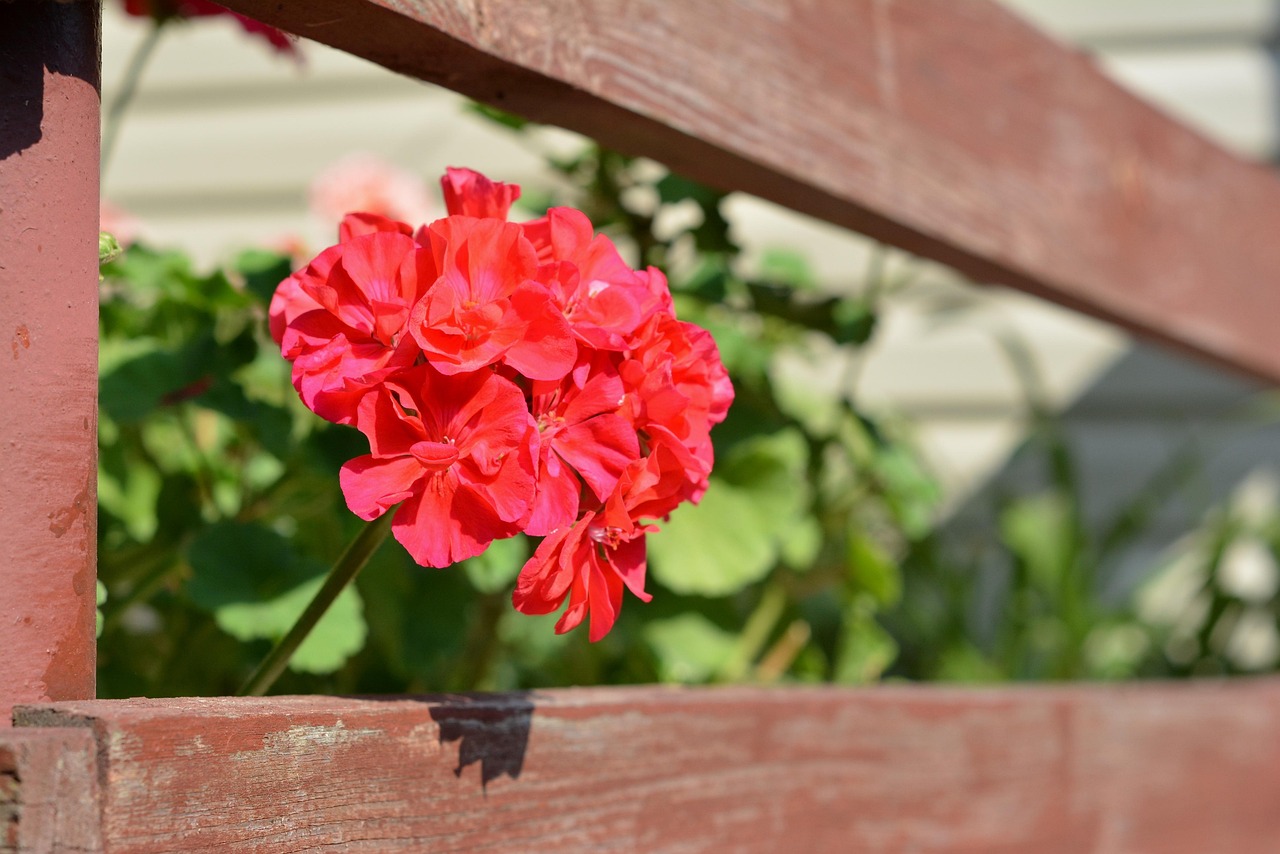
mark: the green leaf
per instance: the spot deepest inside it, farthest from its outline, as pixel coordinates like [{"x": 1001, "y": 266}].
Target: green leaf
[
  {"x": 256, "y": 587},
  {"x": 1039, "y": 533},
  {"x": 807, "y": 389},
  {"x": 802, "y": 543},
  {"x": 148, "y": 271},
  {"x": 102, "y": 599},
  {"x": 742, "y": 351},
  {"x": 177, "y": 508},
  {"x": 136, "y": 387},
  {"x": 788, "y": 267},
  {"x": 966, "y": 663},
  {"x": 772, "y": 471},
  {"x": 689, "y": 648},
  {"x": 262, "y": 271},
  {"x": 712, "y": 549},
  {"x": 128, "y": 488},
  {"x": 272, "y": 425},
  {"x": 708, "y": 280},
  {"x": 866, "y": 650},
  {"x": 842, "y": 319},
  {"x": 234, "y": 562},
  {"x": 855, "y": 322},
  {"x": 873, "y": 571},
  {"x": 911, "y": 492},
  {"x": 499, "y": 117},
  {"x": 1115, "y": 650},
  {"x": 417, "y": 617},
  {"x": 735, "y": 535},
  {"x": 496, "y": 568},
  {"x": 673, "y": 189},
  {"x": 339, "y": 635}
]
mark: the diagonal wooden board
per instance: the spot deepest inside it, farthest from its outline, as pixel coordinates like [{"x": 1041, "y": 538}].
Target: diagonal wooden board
[
  {"x": 951, "y": 129},
  {"x": 1152, "y": 767}
]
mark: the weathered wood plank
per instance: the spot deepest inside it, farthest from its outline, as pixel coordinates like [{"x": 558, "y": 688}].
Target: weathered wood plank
[
  {"x": 48, "y": 792},
  {"x": 1161, "y": 767},
  {"x": 49, "y": 362},
  {"x": 953, "y": 130}
]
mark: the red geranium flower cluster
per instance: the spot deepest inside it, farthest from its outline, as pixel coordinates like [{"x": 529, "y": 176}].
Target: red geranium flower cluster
[{"x": 510, "y": 378}]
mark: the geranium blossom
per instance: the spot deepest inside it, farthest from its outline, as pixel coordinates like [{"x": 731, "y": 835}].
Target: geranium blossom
[
  {"x": 593, "y": 560},
  {"x": 582, "y": 439},
  {"x": 362, "y": 291},
  {"x": 678, "y": 386},
  {"x": 603, "y": 299},
  {"x": 455, "y": 450},
  {"x": 487, "y": 307},
  {"x": 510, "y": 377}
]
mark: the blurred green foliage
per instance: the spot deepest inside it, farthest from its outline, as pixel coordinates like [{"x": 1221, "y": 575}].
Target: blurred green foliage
[{"x": 815, "y": 555}]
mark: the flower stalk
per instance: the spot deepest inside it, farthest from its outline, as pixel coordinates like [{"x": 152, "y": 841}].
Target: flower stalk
[
  {"x": 344, "y": 572},
  {"x": 128, "y": 88}
]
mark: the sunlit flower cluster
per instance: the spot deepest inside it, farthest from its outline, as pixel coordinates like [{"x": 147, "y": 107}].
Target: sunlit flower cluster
[{"x": 510, "y": 377}]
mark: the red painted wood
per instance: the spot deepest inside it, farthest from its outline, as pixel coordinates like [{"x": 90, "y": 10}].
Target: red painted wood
[
  {"x": 1191, "y": 767},
  {"x": 953, "y": 130},
  {"x": 48, "y": 792},
  {"x": 49, "y": 108}
]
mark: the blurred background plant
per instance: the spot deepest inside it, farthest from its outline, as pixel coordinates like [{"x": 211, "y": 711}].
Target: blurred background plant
[{"x": 822, "y": 552}]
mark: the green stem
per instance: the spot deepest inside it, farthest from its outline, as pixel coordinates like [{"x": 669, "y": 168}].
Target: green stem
[
  {"x": 343, "y": 573},
  {"x": 778, "y": 660},
  {"x": 482, "y": 644},
  {"x": 754, "y": 634},
  {"x": 128, "y": 88}
]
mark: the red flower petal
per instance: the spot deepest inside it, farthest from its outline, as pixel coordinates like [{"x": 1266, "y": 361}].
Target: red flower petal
[
  {"x": 371, "y": 487},
  {"x": 356, "y": 224},
  {"x": 545, "y": 348},
  {"x": 468, "y": 193},
  {"x": 446, "y": 522}
]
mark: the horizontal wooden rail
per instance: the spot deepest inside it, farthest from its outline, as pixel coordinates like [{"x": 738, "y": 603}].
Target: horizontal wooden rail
[
  {"x": 953, "y": 130},
  {"x": 1164, "y": 767}
]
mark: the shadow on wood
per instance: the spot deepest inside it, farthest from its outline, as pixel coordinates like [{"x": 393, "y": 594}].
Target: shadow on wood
[{"x": 492, "y": 729}]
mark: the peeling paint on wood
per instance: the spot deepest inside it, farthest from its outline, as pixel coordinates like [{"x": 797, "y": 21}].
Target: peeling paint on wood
[{"x": 1162, "y": 767}]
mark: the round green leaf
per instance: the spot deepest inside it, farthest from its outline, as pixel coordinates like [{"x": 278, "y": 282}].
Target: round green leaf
[
  {"x": 689, "y": 648},
  {"x": 712, "y": 549},
  {"x": 734, "y": 536}
]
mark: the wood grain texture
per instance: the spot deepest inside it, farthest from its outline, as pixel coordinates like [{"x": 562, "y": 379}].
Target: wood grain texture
[
  {"x": 48, "y": 792},
  {"x": 954, "y": 130},
  {"x": 1170, "y": 768},
  {"x": 49, "y": 112}
]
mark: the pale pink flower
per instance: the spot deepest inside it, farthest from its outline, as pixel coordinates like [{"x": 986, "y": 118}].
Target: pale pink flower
[{"x": 365, "y": 183}]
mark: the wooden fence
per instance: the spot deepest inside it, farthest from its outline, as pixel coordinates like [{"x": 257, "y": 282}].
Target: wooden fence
[{"x": 951, "y": 129}]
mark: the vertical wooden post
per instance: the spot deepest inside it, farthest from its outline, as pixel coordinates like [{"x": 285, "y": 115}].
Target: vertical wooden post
[{"x": 49, "y": 114}]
